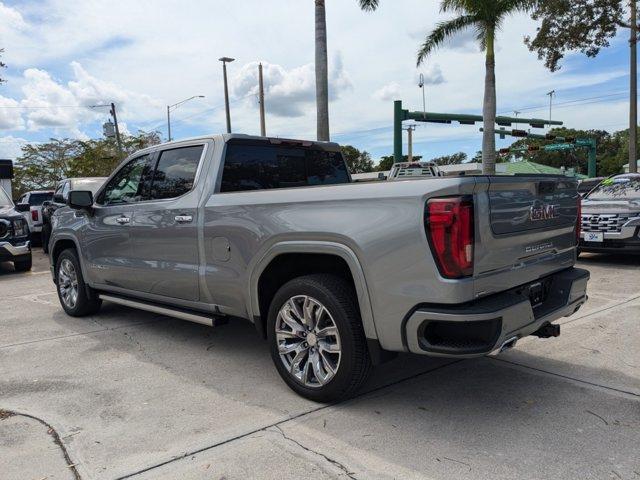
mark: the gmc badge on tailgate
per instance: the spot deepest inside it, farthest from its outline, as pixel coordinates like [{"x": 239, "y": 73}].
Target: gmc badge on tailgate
[{"x": 543, "y": 212}]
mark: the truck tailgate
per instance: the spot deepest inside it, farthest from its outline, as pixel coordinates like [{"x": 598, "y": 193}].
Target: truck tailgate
[{"x": 525, "y": 229}]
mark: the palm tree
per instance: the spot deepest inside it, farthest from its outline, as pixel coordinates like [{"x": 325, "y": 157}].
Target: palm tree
[
  {"x": 486, "y": 18},
  {"x": 322, "y": 81}
]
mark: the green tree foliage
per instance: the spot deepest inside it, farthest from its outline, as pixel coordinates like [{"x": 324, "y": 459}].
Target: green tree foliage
[
  {"x": 569, "y": 25},
  {"x": 357, "y": 161},
  {"x": 453, "y": 159},
  {"x": 612, "y": 151},
  {"x": 42, "y": 165}
]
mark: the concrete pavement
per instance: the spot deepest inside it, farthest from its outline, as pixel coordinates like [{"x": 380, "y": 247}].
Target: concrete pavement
[{"x": 136, "y": 395}]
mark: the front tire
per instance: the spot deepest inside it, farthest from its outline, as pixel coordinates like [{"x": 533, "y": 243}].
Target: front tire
[
  {"x": 77, "y": 299},
  {"x": 316, "y": 338}
]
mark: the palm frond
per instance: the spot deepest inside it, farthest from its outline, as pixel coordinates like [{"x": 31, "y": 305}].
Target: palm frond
[
  {"x": 442, "y": 32},
  {"x": 513, "y": 6},
  {"x": 369, "y": 5}
]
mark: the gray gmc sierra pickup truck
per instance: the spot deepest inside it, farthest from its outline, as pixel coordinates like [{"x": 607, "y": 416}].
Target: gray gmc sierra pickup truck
[{"x": 336, "y": 275}]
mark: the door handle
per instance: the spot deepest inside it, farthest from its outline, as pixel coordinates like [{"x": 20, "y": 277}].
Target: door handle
[
  {"x": 183, "y": 218},
  {"x": 123, "y": 220}
]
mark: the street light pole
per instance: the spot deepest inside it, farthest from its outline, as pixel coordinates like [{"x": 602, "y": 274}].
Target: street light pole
[
  {"x": 224, "y": 61},
  {"x": 263, "y": 128},
  {"x": 168, "y": 123},
  {"x": 424, "y": 101},
  {"x": 174, "y": 106}
]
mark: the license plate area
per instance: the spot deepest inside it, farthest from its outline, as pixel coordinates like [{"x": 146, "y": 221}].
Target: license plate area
[
  {"x": 537, "y": 293},
  {"x": 594, "y": 237}
]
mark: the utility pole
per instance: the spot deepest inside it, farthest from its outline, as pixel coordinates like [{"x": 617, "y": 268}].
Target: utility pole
[
  {"x": 115, "y": 121},
  {"x": 551, "y": 94},
  {"x": 410, "y": 130},
  {"x": 263, "y": 128},
  {"x": 633, "y": 91},
  {"x": 224, "y": 61}
]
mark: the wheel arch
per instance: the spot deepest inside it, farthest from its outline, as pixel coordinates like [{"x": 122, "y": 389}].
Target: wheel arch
[
  {"x": 60, "y": 244},
  {"x": 311, "y": 248}
]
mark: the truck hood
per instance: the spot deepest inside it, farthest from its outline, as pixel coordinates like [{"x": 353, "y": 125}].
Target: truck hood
[
  {"x": 610, "y": 206},
  {"x": 7, "y": 211}
]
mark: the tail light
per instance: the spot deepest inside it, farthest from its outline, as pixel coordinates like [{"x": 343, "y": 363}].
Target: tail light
[
  {"x": 579, "y": 220},
  {"x": 449, "y": 225},
  {"x": 34, "y": 215}
]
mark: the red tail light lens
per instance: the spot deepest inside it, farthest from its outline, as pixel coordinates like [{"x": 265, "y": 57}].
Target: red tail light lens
[
  {"x": 449, "y": 224},
  {"x": 579, "y": 220},
  {"x": 34, "y": 215}
]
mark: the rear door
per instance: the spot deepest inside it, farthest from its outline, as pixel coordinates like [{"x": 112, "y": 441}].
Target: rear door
[
  {"x": 107, "y": 236},
  {"x": 165, "y": 227},
  {"x": 525, "y": 229}
]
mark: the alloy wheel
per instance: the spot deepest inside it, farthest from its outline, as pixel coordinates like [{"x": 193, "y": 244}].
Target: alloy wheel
[
  {"x": 68, "y": 283},
  {"x": 308, "y": 341}
]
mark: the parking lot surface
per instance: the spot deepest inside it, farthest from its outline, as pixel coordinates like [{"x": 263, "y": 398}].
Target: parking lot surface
[{"x": 129, "y": 394}]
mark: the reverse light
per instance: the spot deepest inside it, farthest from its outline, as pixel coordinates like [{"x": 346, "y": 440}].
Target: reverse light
[{"x": 450, "y": 229}]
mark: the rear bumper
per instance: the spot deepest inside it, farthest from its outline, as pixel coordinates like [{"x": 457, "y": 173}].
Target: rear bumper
[
  {"x": 8, "y": 251},
  {"x": 480, "y": 327}
]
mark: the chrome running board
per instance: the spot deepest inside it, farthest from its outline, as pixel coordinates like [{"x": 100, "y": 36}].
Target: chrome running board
[{"x": 162, "y": 310}]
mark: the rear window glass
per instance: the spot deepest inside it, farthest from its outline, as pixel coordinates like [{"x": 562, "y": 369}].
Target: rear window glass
[
  {"x": 618, "y": 188},
  {"x": 36, "y": 199},
  {"x": 261, "y": 167}
]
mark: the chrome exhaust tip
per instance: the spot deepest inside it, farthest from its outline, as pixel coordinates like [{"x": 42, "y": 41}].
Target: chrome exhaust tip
[{"x": 508, "y": 344}]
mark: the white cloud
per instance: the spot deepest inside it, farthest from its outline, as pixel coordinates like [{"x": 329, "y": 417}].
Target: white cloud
[
  {"x": 390, "y": 91},
  {"x": 289, "y": 93},
  {"x": 10, "y": 114},
  {"x": 11, "y": 147},
  {"x": 432, "y": 74},
  {"x": 10, "y": 19},
  {"x": 65, "y": 107}
]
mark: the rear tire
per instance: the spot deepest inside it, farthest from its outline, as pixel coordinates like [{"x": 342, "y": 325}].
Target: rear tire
[
  {"x": 323, "y": 355},
  {"x": 23, "y": 265},
  {"x": 77, "y": 299}
]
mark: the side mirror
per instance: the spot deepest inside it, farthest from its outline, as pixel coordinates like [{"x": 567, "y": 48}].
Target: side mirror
[
  {"x": 22, "y": 207},
  {"x": 80, "y": 199},
  {"x": 57, "y": 197}
]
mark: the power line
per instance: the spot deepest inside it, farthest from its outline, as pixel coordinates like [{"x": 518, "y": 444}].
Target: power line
[{"x": 540, "y": 107}]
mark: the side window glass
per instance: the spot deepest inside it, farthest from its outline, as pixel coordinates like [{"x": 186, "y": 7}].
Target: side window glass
[
  {"x": 65, "y": 191},
  {"x": 127, "y": 185},
  {"x": 175, "y": 172}
]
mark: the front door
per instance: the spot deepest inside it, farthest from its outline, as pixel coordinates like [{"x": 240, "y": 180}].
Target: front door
[
  {"x": 164, "y": 228},
  {"x": 107, "y": 236}
]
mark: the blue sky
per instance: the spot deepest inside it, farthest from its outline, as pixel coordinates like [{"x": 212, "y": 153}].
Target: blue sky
[{"x": 64, "y": 55}]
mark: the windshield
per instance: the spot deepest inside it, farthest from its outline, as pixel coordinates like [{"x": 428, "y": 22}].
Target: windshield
[
  {"x": 623, "y": 187},
  {"x": 36, "y": 199},
  {"x": 4, "y": 198}
]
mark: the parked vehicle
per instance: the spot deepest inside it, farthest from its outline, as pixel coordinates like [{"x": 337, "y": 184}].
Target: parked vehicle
[
  {"x": 334, "y": 274},
  {"x": 588, "y": 184},
  {"x": 35, "y": 199},
  {"x": 611, "y": 216},
  {"x": 411, "y": 170},
  {"x": 59, "y": 199},
  {"x": 15, "y": 245}
]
